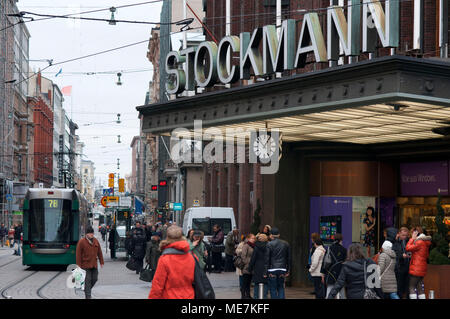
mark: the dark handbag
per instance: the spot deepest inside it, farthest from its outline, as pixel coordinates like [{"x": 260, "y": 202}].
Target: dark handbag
[
  {"x": 147, "y": 274},
  {"x": 131, "y": 264},
  {"x": 202, "y": 286},
  {"x": 218, "y": 248}
]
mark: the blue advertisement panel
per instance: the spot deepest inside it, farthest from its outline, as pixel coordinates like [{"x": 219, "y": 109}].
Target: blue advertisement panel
[{"x": 339, "y": 209}]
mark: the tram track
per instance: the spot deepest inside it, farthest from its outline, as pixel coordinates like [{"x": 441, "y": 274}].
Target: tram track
[
  {"x": 38, "y": 291},
  {"x": 10, "y": 262},
  {"x": 15, "y": 283}
]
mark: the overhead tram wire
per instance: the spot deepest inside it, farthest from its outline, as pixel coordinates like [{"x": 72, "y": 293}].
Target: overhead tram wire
[
  {"x": 85, "y": 12},
  {"x": 220, "y": 24},
  {"x": 22, "y": 13}
]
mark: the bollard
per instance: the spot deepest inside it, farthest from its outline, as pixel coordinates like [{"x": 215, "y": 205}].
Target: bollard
[
  {"x": 261, "y": 291},
  {"x": 431, "y": 294}
]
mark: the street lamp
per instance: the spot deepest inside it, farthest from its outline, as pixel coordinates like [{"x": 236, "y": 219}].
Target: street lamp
[{"x": 112, "y": 21}]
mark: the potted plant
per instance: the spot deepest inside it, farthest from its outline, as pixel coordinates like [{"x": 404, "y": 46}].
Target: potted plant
[{"x": 439, "y": 260}]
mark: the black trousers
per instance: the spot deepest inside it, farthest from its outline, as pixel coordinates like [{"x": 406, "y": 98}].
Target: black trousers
[
  {"x": 139, "y": 264},
  {"x": 402, "y": 283},
  {"x": 89, "y": 281},
  {"x": 217, "y": 261},
  {"x": 246, "y": 284},
  {"x": 229, "y": 266},
  {"x": 319, "y": 288},
  {"x": 113, "y": 253}
]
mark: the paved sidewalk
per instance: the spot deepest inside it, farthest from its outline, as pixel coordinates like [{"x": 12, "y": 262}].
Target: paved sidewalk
[{"x": 117, "y": 282}]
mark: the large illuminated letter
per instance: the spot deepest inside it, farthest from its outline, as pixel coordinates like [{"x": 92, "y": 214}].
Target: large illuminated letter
[
  {"x": 387, "y": 25},
  {"x": 311, "y": 40},
  {"x": 176, "y": 78},
  {"x": 339, "y": 31},
  {"x": 233, "y": 43},
  {"x": 205, "y": 50},
  {"x": 250, "y": 56},
  {"x": 278, "y": 54}
]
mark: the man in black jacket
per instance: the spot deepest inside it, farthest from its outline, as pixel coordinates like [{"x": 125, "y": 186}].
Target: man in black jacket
[
  {"x": 138, "y": 245},
  {"x": 402, "y": 261},
  {"x": 217, "y": 248},
  {"x": 278, "y": 264}
]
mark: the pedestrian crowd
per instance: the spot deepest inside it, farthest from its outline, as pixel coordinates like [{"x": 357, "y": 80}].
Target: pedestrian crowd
[
  {"x": 399, "y": 267},
  {"x": 264, "y": 260}
]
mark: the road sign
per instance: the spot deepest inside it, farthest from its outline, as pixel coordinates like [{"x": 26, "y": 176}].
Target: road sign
[
  {"x": 196, "y": 203},
  {"x": 9, "y": 197},
  {"x": 177, "y": 206},
  {"x": 103, "y": 201},
  {"x": 121, "y": 185},
  {"x": 112, "y": 199}
]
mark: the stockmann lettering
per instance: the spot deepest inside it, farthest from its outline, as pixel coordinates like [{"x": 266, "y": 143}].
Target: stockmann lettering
[{"x": 209, "y": 63}]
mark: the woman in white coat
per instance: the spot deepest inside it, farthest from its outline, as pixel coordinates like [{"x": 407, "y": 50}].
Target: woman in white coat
[{"x": 316, "y": 265}]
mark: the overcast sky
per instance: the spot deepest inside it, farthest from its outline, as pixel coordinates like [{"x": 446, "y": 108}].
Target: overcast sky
[{"x": 97, "y": 98}]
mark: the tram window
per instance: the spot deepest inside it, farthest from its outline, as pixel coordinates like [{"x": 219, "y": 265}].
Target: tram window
[{"x": 50, "y": 220}]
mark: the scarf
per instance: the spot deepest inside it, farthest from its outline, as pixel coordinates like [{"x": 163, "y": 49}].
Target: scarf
[{"x": 90, "y": 241}]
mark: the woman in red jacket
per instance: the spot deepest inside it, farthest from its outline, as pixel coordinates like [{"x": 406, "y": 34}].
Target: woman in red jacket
[
  {"x": 174, "y": 274},
  {"x": 419, "y": 246}
]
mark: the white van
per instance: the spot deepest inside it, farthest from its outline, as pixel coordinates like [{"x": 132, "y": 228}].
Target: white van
[{"x": 204, "y": 218}]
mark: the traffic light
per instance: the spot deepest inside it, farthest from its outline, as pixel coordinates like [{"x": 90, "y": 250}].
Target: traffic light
[
  {"x": 167, "y": 205},
  {"x": 111, "y": 183},
  {"x": 121, "y": 185}
]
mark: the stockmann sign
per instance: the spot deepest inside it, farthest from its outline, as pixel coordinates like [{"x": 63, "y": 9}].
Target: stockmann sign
[{"x": 206, "y": 64}]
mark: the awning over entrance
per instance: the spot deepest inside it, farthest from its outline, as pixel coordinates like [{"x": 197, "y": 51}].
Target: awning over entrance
[{"x": 388, "y": 99}]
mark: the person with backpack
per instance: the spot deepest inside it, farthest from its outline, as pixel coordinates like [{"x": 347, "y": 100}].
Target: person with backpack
[
  {"x": 103, "y": 232},
  {"x": 315, "y": 269},
  {"x": 174, "y": 274},
  {"x": 332, "y": 265},
  {"x": 387, "y": 261}
]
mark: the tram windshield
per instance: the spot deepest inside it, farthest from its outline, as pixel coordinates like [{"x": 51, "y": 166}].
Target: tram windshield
[{"x": 50, "y": 220}]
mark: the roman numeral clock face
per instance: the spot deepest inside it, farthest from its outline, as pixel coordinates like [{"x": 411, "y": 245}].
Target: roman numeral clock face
[{"x": 264, "y": 146}]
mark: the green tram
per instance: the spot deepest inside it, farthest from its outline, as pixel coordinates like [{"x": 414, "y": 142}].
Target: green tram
[{"x": 53, "y": 222}]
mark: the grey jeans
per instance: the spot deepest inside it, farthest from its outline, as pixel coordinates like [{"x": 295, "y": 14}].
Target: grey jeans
[{"x": 89, "y": 281}]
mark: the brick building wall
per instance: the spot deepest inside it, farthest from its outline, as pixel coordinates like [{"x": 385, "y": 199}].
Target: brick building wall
[{"x": 43, "y": 141}]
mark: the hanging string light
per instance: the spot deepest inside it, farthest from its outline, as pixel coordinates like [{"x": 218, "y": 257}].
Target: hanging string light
[{"x": 119, "y": 82}]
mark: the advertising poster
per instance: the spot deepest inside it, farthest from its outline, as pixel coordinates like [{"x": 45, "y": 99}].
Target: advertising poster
[
  {"x": 360, "y": 204},
  {"x": 332, "y": 207}
]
